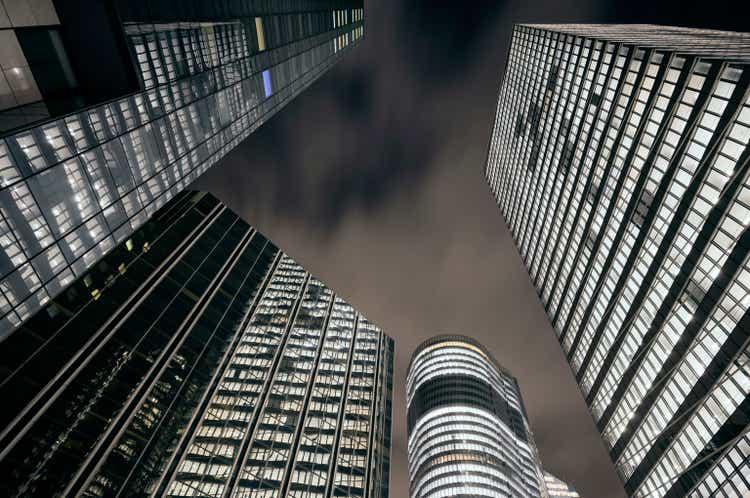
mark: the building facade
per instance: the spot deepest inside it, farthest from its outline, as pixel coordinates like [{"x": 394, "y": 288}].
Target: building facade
[
  {"x": 619, "y": 159},
  {"x": 196, "y": 359},
  {"x": 557, "y": 488},
  {"x": 109, "y": 109},
  {"x": 467, "y": 426}
]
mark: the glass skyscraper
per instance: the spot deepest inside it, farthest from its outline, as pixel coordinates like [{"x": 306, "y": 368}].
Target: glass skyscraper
[
  {"x": 109, "y": 109},
  {"x": 557, "y": 488},
  {"x": 619, "y": 159},
  {"x": 196, "y": 359},
  {"x": 467, "y": 426}
]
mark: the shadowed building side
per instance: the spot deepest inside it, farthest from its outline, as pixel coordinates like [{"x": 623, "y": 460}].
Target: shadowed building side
[
  {"x": 116, "y": 106},
  {"x": 196, "y": 359}
]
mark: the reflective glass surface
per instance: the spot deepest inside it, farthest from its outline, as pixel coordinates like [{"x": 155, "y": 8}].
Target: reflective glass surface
[
  {"x": 619, "y": 159},
  {"x": 468, "y": 430},
  {"x": 74, "y": 187},
  {"x": 196, "y": 359}
]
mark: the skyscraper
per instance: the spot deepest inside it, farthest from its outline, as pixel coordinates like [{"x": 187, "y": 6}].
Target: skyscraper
[
  {"x": 467, "y": 426},
  {"x": 196, "y": 359},
  {"x": 108, "y": 109},
  {"x": 619, "y": 159},
  {"x": 557, "y": 488}
]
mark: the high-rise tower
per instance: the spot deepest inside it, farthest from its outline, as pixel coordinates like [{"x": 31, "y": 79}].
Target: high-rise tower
[
  {"x": 468, "y": 430},
  {"x": 557, "y": 488},
  {"x": 619, "y": 159},
  {"x": 196, "y": 359},
  {"x": 110, "y": 108}
]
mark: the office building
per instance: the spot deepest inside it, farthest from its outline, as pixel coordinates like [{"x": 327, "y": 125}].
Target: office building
[
  {"x": 109, "y": 109},
  {"x": 468, "y": 430},
  {"x": 556, "y": 488},
  {"x": 196, "y": 359},
  {"x": 619, "y": 159}
]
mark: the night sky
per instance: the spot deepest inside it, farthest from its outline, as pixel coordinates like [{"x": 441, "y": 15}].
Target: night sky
[{"x": 373, "y": 180}]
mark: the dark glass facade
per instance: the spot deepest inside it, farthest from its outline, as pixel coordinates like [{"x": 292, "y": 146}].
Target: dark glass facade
[
  {"x": 197, "y": 78},
  {"x": 468, "y": 430},
  {"x": 196, "y": 359},
  {"x": 619, "y": 159}
]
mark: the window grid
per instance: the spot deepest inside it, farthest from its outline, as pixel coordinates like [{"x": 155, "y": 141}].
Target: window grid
[
  {"x": 128, "y": 157},
  {"x": 657, "y": 172}
]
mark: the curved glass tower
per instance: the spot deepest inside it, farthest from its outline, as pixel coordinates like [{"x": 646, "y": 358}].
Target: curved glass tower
[{"x": 468, "y": 430}]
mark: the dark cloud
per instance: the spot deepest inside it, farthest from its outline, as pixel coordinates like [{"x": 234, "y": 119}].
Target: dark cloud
[
  {"x": 441, "y": 39},
  {"x": 373, "y": 180},
  {"x": 356, "y": 94}
]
